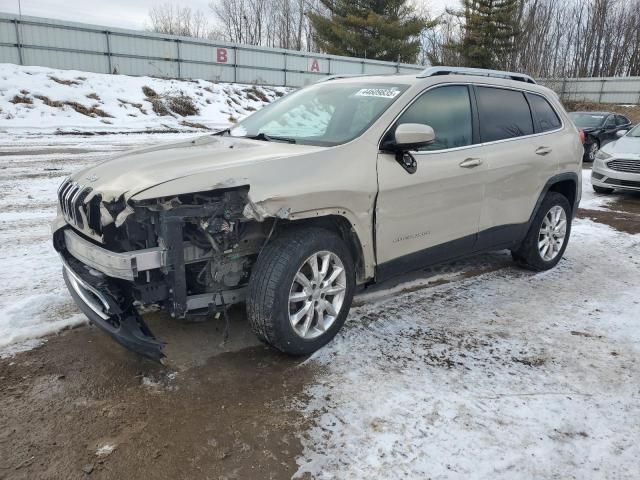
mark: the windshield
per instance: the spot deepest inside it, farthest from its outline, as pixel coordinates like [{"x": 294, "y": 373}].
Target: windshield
[
  {"x": 587, "y": 120},
  {"x": 635, "y": 132},
  {"x": 324, "y": 114}
]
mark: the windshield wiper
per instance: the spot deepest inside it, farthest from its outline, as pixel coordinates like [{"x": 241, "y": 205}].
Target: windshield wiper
[
  {"x": 269, "y": 138},
  {"x": 222, "y": 133}
]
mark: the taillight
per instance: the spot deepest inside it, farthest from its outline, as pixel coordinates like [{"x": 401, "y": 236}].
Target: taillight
[{"x": 582, "y": 136}]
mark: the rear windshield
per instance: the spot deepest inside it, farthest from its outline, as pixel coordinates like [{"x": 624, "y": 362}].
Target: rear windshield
[
  {"x": 587, "y": 120},
  {"x": 324, "y": 114}
]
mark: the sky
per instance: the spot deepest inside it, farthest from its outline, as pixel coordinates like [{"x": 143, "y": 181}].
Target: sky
[{"x": 124, "y": 13}]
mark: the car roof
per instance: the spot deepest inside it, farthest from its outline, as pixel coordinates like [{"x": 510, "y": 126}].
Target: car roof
[
  {"x": 595, "y": 113},
  {"x": 416, "y": 80}
]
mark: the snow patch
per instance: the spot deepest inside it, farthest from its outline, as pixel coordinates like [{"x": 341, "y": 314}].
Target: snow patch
[
  {"x": 40, "y": 100},
  {"x": 105, "y": 450},
  {"x": 37, "y": 315},
  {"x": 591, "y": 200},
  {"x": 13, "y": 349},
  {"x": 509, "y": 375}
]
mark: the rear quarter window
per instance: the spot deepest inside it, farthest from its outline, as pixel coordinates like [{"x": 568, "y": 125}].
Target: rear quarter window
[
  {"x": 620, "y": 120},
  {"x": 503, "y": 114},
  {"x": 546, "y": 117}
]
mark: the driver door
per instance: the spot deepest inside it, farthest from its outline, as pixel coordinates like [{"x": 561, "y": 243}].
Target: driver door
[{"x": 433, "y": 214}]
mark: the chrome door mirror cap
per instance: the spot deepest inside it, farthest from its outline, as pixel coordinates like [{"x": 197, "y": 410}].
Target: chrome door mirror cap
[{"x": 621, "y": 133}]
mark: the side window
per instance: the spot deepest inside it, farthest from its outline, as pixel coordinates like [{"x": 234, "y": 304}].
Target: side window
[
  {"x": 546, "y": 117},
  {"x": 620, "y": 120},
  {"x": 448, "y": 111},
  {"x": 503, "y": 114},
  {"x": 610, "y": 122}
]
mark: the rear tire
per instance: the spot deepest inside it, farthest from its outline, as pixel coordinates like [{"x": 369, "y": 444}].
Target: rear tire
[
  {"x": 548, "y": 234},
  {"x": 602, "y": 189},
  {"x": 290, "y": 305}
]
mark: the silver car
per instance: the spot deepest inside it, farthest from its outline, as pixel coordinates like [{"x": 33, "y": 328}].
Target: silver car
[{"x": 617, "y": 165}]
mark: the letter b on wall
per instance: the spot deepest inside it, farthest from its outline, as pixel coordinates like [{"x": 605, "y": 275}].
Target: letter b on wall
[{"x": 221, "y": 55}]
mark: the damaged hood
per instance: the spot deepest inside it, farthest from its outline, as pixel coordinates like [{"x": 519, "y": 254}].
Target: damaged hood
[{"x": 201, "y": 164}]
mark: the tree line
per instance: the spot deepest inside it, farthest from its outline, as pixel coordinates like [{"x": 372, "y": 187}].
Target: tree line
[{"x": 544, "y": 38}]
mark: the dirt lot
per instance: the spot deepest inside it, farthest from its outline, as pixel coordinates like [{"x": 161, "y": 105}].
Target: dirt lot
[{"x": 79, "y": 406}]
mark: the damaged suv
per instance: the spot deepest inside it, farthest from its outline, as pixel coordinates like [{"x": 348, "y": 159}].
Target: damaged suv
[{"x": 337, "y": 185}]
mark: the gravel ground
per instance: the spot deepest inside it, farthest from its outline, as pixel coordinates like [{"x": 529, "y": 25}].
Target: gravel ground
[{"x": 473, "y": 369}]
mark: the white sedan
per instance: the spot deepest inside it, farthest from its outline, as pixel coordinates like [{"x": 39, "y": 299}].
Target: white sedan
[{"x": 617, "y": 165}]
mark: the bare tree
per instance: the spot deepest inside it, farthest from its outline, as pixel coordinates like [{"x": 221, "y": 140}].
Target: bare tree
[
  {"x": 173, "y": 19},
  {"x": 560, "y": 38},
  {"x": 273, "y": 23}
]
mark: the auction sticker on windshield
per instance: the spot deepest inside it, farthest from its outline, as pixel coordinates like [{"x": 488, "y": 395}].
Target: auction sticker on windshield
[{"x": 378, "y": 92}]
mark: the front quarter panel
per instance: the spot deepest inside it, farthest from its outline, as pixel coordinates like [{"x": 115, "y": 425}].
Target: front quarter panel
[{"x": 337, "y": 180}]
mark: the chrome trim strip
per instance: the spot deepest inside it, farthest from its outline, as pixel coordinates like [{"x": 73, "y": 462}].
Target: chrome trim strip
[
  {"x": 81, "y": 288},
  {"x": 63, "y": 184},
  {"x": 61, "y": 198},
  {"x": 74, "y": 199},
  {"x": 125, "y": 265}
]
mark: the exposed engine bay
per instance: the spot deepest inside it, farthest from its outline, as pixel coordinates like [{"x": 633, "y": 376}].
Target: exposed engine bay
[{"x": 205, "y": 243}]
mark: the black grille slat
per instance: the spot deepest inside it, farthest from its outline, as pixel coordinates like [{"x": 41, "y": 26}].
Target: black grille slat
[
  {"x": 622, "y": 183},
  {"x": 626, "y": 166},
  {"x": 71, "y": 197}
]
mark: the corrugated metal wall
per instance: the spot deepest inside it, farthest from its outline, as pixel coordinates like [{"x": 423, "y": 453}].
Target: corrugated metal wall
[
  {"x": 67, "y": 45},
  {"x": 620, "y": 90}
]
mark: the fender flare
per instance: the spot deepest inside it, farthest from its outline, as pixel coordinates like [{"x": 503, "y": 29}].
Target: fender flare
[{"x": 556, "y": 179}]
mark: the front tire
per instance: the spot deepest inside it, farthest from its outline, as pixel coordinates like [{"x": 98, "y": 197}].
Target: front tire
[
  {"x": 548, "y": 235},
  {"x": 300, "y": 290}
]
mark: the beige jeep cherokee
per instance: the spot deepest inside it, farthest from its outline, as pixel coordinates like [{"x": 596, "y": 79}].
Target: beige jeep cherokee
[{"x": 343, "y": 183}]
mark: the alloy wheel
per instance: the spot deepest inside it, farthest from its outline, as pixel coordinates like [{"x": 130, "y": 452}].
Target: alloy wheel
[
  {"x": 552, "y": 233},
  {"x": 317, "y": 294}
]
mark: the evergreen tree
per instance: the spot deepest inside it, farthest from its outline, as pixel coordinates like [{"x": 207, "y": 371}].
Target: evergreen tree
[
  {"x": 490, "y": 31},
  {"x": 376, "y": 29}
]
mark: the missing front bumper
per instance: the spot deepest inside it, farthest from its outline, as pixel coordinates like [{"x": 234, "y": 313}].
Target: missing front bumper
[{"x": 125, "y": 326}]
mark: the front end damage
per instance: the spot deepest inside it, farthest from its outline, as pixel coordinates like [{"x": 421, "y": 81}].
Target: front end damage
[{"x": 191, "y": 255}]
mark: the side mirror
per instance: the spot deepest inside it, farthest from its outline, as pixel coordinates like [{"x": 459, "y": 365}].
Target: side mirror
[
  {"x": 409, "y": 136},
  {"x": 621, "y": 133}
]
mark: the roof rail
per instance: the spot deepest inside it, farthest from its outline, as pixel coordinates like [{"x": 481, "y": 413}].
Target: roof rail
[
  {"x": 353, "y": 75},
  {"x": 481, "y": 72}
]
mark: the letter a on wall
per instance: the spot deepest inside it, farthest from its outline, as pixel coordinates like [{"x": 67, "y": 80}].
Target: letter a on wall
[
  {"x": 221, "y": 55},
  {"x": 314, "y": 65}
]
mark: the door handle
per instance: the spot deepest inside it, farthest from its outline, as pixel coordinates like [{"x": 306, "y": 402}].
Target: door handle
[
  {"x": 471, "y": 163},
  {"x": 543, "y": 151}
]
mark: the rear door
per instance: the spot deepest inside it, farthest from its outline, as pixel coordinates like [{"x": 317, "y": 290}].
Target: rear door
[
  {"x": 521, "y": 155},
  {"x": 439, "y": 204}
]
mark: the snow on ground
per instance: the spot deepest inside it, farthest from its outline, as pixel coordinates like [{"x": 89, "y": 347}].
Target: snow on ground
[
  {"x": 590, "y": 199},
  {"x": 39, "y": 99},
  {"x": 508, "y": 375}
]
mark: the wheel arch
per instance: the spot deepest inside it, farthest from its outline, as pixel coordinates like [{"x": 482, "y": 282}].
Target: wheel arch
[
  {"x": 341, "y": 226},
  {"x": 565, "y": 184}
]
